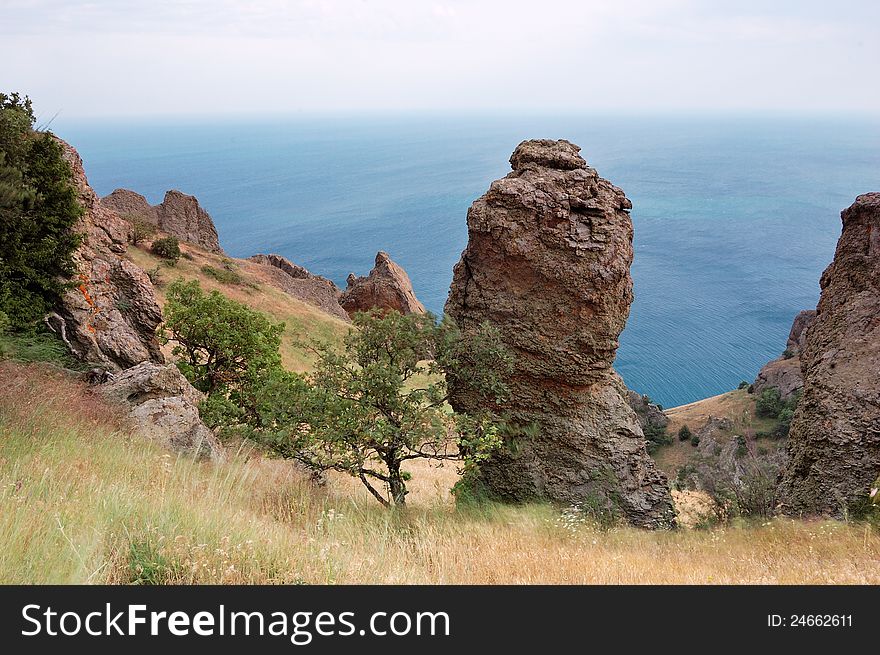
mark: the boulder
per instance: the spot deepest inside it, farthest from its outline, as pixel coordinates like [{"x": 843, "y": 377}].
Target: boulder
[
  {"x": 647, "y": 412},
  {"x": 834, "y": 440},
  {"x": 300, "y": 283},
  {"x": 547, "y": 263},
  {"x": 163, "y": 406},
  {"x": 110, "y": 317},
  {"x": 386, "y": 288}
]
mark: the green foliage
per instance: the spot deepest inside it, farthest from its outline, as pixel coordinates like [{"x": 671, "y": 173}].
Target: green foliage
[
  {"x": 769, "y": 403},
  {"x": 167, "y": 248},
  {"x": 148, "y": 566},
  {"x": 787, "y": 354},
  {"x": 221, "y": 344},
  {"x": 381, "y": 401},
  {"x": 684, "y": 433},
  {"x": 742, "y": 448},
  {"x": 656, "y": 436},
  {"x": 224, "y": 275},
  {"x": 37, "y": 344},
  {"x": 743, "y": 385},
  {"x": 695, "y": 440},
  {"x": 38, "y": 211},
  {"x": 155, "y": 275}
]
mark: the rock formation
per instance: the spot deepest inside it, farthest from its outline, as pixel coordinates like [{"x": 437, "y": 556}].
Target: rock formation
[
  {"x": 648, "y": 413},
  {"x": 784, "y": 372},
  {"x": 387, "y": 287},
  {"x": 163, "y": 406},
  {"x": 834, "y": 441},
  {"x": 110, "y": 317},
  {"x": 547, "y": 263},
  {"x": 300, "y": 283},
  {"x": 179, "y": 215}
]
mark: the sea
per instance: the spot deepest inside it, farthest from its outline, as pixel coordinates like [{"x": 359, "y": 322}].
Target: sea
[{"x": 736, "y": 216}]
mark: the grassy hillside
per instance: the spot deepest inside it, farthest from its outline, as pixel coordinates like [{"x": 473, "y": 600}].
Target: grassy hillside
[
  {"x": 84, "y": 501},
  {"x": 245, "y": 284},
  {"x": 737, "y": 406}
]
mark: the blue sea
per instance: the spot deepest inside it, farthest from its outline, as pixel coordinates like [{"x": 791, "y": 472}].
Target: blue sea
[{"x": 735, "y": 216}]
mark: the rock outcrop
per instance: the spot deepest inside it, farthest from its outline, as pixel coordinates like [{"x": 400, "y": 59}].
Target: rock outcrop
[
  {"x": 110, "y": 317},
  {"x": 179, "y": 215},
  {"x": 784, "y": 372},
  {"x": 648, "y": 413},
  {"x": 387, "y": 288},
  {"x": 300, "y": 283},
  {"x": 547, "y": 263},
  {"x": 834, "y": 440},
  {"x": 163, "y": 406}
]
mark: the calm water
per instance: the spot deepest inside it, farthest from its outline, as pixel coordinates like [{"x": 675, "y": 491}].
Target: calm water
[{"x": 735, "y": 218}]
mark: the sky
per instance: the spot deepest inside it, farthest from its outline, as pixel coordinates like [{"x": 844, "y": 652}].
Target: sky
[{"x": 219, "y": 57}]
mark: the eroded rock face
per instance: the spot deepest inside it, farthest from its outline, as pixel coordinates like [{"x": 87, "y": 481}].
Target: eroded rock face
[
  {"x": 547, "y": 263},
  {"x": 648, "y": 413},
  {"x": 164, "y": 407},
  {"x": 387, "y": 287},
  {"x": 110, "y": 318},
  {"x": 179, "y": 215},
  {"x": 784, "y": 372},
  {"x": 834, "y": 441},
  {"x": 300, "y": 283}
]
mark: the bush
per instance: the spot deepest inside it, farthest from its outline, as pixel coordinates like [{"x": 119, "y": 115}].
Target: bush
[
  {"x": 224, "y": 275},
  {"x": 656, "y": 436},
  {"x": 684, "y": 433},
  {"x": 141, "y": 229},
  {"x": 769, "y": 403},
  {"x": 39, "y": 208},
  {"x": 695, "y": 441},
  {"x": 167, "y": 248},
  {"x": 787, "y": 354},
  {"x": 743, "y": 385}
]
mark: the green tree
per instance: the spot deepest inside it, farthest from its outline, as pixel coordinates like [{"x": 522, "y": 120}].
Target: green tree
[
  {"x": 38, "y": 211},
  {"x": 684, "y": 433},
  {"x": 381, "y": 401},
  {"x": 222, "y": 346},
  {"x": 769, "y": 403},
  {"x": 168, "y": 248}
]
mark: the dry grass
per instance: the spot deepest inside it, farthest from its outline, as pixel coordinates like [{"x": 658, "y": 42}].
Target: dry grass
[
  {"x": 82, "y": 501},
  {"x": 737, "y": 406},
  {"x": 302, "y": 321}
]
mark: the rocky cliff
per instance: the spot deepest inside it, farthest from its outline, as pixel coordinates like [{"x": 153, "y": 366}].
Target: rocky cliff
[
  {"x": 300, "y": 283},
  {"x": 110, "y": 317},
  {"x": 834, "y": 441},
  {"x": 547, "y": 263},
  {"x": 784, "y": 372},
  {"x": 179, "y": 215},
  {"x": 387, "y": 287}
]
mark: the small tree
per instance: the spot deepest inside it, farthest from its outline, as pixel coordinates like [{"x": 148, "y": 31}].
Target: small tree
[
  {"x": 221, "y": 344},
  {"x": 168, "y": 248},
  {"x": 684, "y": 433},
  {"x": 381, "y": 401}
]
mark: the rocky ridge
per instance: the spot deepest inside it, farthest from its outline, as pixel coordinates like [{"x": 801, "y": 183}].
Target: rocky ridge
[
  {"x": 386, "y": 288},
  {"x": 784, "y": 372}
]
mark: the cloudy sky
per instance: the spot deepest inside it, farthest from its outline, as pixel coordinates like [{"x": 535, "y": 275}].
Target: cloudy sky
[{"x": 174, "y": 57}]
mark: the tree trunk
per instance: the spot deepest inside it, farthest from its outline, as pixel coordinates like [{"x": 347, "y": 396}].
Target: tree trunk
[{"x": 396, "y": 484}]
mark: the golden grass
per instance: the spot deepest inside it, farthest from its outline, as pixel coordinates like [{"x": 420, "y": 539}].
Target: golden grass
[
  {"x": 303, "y": 322},
  {"x": 83, "y": 501}
]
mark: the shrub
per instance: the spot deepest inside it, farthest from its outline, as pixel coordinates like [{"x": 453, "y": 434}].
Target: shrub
[
  {"x": 224, "y": 275},
  {"x": 656, "y": 436},
  {"x": 743, "y": 385},
  {"x": 769, "y": 403},
  {"x": 742, "y": 448},
  {"x": 141, "y": 229},
  {"x": 167, "y": 248},
  {"x": 695, "y": 441},
  {"x": 787, "y": 354},
  {"x": 684, "y": 433},
  {"x": 39, "y": 208}
]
